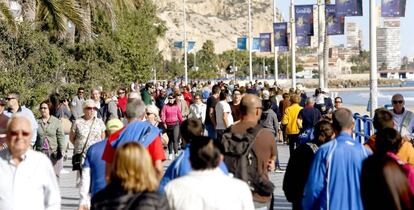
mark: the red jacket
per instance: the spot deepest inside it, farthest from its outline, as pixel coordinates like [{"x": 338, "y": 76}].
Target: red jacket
[
  {"x": 122, "y": 102},
  {"x": 187, "y": 97}
]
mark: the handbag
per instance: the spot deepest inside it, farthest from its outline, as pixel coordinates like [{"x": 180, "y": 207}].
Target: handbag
[
  {"x": 66, "y": 123},
  {"x": 77, "y": 158}
]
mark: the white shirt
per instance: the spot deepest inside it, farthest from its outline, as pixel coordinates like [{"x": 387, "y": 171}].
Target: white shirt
[
  {"x": 398, "y": 120},
  {"x": 221, "y": 107},
  {"x": 198, "y": 111},
  {"x": 208, "y": 190},
  {"x": 30, "y": 185}
]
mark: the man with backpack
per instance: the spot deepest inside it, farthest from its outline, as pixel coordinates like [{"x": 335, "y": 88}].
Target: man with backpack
[{"x": 250, "y": 151}]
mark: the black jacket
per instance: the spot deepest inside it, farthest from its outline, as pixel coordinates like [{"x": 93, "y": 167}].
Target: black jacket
[{"x": 113, "y": 197}]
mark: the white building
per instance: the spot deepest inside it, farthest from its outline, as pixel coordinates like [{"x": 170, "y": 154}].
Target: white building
[
  {"x": 388, "y": 44},
  {"x": 353, "y": 35}
]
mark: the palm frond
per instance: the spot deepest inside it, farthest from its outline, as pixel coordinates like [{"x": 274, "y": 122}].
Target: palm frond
[
  {"x": 109, "y": 7},
  {"x": 8, "y": 16}
]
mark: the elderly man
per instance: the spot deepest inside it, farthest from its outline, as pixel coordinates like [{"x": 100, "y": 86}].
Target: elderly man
[
  {"x": 27, "y": 177},
  {"x": 13, "y": 106},
  {"x": 334, "y": 177},
  {"x": 403, "y": 119}
]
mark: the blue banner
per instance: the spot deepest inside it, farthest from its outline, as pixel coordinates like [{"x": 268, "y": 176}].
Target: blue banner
[
  {"x": 256, "y": 44},
  {"x": 242, "y": 43},
  {"x": 393, "y": 8},
  {"x": 335, "y": 25},
  {"x": 280, "y": 33},
  {"x": 304, "y": 20},
  {"x": 178, "y": 44},
  {"x": 265, "y": 42},
  {"x": 190, "y": 45},
  {"x": 303, "y": 41},
  {"x": 349, "y": 8}
]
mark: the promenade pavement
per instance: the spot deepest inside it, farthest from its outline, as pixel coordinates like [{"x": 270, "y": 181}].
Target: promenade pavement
[{"x": 70, "y": 194}]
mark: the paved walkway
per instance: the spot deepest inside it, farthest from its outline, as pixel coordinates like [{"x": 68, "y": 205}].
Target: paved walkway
[{"x": 70, "y": 194}]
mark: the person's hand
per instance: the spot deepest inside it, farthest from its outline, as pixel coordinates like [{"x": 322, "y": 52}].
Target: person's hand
[
  {"x": 271, "y": 165},
  {"x": 165, "y": 126},
  {"x": 83, "y": 207}
]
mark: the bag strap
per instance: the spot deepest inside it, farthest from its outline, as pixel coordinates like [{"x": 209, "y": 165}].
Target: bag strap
[
  {"x": 87, "y": 138},
  {"x": 406, "y": 121},
  {"x": 253, "y": 135}
]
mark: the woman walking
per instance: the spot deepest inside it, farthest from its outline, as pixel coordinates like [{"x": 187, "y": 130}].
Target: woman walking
[
  {"x": 50, "y": 137},
  {"x": 171, "y": 117}
]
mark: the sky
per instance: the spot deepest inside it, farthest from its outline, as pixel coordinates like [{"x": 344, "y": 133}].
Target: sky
[{"x": 407, "y": 24}]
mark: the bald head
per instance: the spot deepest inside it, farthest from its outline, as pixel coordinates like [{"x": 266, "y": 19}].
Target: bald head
[{"x": 249, "y": 104}]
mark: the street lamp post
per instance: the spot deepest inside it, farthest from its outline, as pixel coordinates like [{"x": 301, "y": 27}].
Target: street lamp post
[
  {"x": 275, "y": 48},
  {"x": 250, "y": 42},
  {"x": 321, "y": 32},
  {"x": 373, "y": 50},
  {"x": 185, "y": 45},
  {"x": 293, "y": 41}
]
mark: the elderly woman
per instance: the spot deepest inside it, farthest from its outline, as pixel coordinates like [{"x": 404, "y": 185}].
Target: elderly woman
[
  {"x": 153, "y": 117},
  {"x": 86, "y": 131},
  {"x": 50, "y": 137},
  {"x": 133, "y": 183}
]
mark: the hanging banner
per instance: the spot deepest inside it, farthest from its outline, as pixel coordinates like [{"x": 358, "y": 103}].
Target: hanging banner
[
  {"x": 303, "y": 41},
  {"x": 265, "y": 42},
  {"x": 349, "y": 8},
  {"x": 280, "y": 33},
  {"x": 190, "y": 46},
  {"x": 335, "y": 24},
  {"x": 178, "y": 44},
  {"x": 304, "y": 20},
  {"x": 393, "y": 8},
  {"x": 256, "y": 44},
  {"x": 242, "y": 43}
]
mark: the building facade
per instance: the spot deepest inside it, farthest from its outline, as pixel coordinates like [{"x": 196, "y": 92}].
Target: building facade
[{"x": 388, "y": 44}]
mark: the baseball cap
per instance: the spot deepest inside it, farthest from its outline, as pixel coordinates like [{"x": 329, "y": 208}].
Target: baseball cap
[{"x": 114, "y": 125}]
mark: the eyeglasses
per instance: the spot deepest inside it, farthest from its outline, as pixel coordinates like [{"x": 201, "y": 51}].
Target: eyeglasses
[
  {"x": 16, "y": 133},
  {"x": 9, "y": 98},
  {"x": 149, "y": 113},
  {"x": 43, "y": 108},
  {"x": 398, "y": 102}
]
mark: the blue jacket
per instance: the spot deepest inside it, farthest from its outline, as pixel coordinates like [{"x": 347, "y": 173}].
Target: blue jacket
[
  {"x": 334, "y": 178},
  {"x": 182, "y": 166}
]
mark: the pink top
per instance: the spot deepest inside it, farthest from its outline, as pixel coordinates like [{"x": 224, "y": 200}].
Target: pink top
[{"x": 171, "y": 114}]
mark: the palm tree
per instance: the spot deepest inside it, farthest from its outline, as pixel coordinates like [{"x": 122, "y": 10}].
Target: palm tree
[{"x": 89, "y": 6}]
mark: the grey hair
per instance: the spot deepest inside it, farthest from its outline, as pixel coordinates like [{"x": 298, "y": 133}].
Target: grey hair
[
  {"x": 310, "y": 100},
  {"x": 135, "y": 108},
  {"x": 16, "y": 116}
]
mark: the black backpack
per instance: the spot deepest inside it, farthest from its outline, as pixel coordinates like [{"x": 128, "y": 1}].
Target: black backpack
[{"x": 241, "y": 159}]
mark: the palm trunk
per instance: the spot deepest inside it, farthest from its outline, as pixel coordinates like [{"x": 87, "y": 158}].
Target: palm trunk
[
  {"x": 87, "y": 35},
  {"x": 29, "y": 10}
]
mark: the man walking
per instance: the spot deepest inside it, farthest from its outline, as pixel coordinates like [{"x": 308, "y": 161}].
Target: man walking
[
  {"x": 334, "y": 178},
  {"x": 77, "y": 102},
  {"x": 27, "y": 177},
  {"x": 403, "y": 119},
  {"x": 13, "y": 107}
]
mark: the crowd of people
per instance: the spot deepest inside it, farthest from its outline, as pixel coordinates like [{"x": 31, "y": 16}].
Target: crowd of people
[{"x": 221, "y": 142}]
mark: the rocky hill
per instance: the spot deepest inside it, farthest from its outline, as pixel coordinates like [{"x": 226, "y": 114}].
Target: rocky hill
[{"x": 219, "y": 20}]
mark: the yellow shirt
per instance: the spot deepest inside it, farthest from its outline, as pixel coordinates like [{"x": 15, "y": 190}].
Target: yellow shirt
[{"x": 290, "y": 118}]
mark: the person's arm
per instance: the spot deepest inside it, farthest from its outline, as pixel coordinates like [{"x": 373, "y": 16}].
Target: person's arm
[
  {"x": 285, "y": 119},
  {"x": 212, "y": 116},
  {"x": 60, "y": 136},
  {"x": 72, "y": 134},
  {"x": 225, "y": 119},
  {"x": 203, "y": 114},
  {"x": 52, "y": 198},
  {"x": 179, "y": 116}
]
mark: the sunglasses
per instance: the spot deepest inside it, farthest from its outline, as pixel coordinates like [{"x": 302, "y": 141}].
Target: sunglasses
[
  {"x": 80, "y": 92},
  {"x": 338, "y": 102},
  {"x": 397, "y": 102},
  {"x": 16, "y": 133},
  {"x": 9, "y": 98},
  {"x": 121, "y": 92},
  {"x": 90, "y": 108},
  {"x": 149, "y": 113}
]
